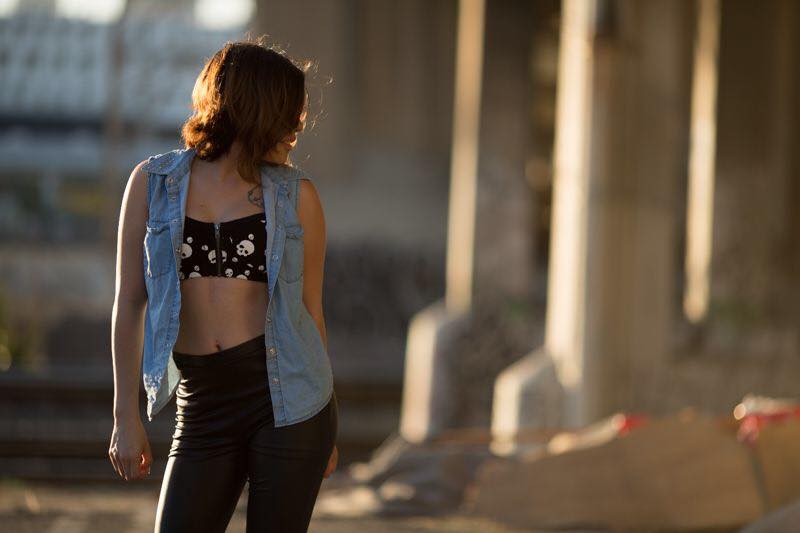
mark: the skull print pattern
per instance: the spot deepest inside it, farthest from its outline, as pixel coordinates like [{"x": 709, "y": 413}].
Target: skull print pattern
[{"x": 232, "y": 248}]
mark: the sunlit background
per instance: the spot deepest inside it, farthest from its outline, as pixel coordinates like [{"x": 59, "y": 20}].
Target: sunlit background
[{"x": 550, "y": 223}]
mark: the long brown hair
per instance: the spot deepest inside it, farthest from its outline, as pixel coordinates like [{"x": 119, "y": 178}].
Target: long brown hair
[{"x": 247, "y": 91}]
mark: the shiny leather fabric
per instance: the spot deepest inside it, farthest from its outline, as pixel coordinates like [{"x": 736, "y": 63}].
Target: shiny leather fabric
[
  {"x": 221, "y": 399},
  {"x": 225, "y": 436}
]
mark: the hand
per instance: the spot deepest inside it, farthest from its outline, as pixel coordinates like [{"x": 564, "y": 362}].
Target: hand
[
  {"x": 129, "y": 449},
  {"x": 332, "y": 461}
]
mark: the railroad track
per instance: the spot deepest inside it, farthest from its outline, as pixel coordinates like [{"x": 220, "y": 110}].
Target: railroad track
[{"x": 56, "y": 424}]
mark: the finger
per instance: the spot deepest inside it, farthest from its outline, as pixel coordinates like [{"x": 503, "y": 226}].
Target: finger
[
  {"x": 118, "y": 465},
  {"x": 112, "y": 457},
  {"x": 140, "y": 466},
  {"x": 124, "y": 463},
  {"x": 148, "y": 456},
  {"x": 136, "y": 468},
  {"x": 144, "y": 466},
  {"x": 330, "y": 467},
  {"x": 132, "y": 467}
]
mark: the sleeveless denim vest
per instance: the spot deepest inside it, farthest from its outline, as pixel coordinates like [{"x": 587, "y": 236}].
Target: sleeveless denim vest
[{"x": 300, "y": 375}]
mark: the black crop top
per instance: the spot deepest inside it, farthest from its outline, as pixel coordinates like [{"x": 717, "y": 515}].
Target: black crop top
[{"x": 241, "y": 242}]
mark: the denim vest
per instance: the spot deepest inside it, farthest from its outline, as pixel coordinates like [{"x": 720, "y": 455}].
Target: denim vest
[{"x": 300, "y": 375}]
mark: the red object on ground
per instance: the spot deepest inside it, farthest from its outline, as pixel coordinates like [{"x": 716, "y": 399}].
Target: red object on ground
[
  {"x": 630, "y": 421},
  {"x": 751, "y": 424}
]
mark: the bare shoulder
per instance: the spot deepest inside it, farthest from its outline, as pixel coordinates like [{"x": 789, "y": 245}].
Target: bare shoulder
[
  {"x": 138, "y": 177},
  {"x": 309, "y": 207},
  {"x": 308, "y": 195},
  {"x": 135, "y": 197}
]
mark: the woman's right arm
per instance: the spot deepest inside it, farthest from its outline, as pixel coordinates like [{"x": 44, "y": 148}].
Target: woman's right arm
[{"x": 129, "y": 450}]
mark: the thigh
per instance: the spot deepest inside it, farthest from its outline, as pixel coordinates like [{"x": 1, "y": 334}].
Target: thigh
[
  {"x": 199, "y": 494},
  {"x": 285, "y": 467}
]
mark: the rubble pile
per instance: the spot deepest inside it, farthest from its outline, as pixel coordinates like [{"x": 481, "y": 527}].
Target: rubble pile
[
  {"x": 682, "y": 472},
  {"x": 686, "y": 471}
]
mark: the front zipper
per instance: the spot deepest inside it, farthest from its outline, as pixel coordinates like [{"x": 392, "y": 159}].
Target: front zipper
[{"x": 219, "y": 254}]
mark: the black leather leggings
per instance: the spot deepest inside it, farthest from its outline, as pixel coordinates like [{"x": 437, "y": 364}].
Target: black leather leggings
[{"x": 225, "y": 435}]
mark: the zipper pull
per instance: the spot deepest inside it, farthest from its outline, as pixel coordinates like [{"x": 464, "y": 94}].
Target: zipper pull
[{"x": 219, "y": 252}]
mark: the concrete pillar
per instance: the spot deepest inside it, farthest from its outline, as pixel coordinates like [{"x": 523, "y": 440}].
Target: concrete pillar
[
  {"x": 622, "y": 108},
  {"x": 755, "y": 254},
  {"x": 426, "y": 386},
  {"x": 489, "y": 243},
  {"x": 702, "y": 158}
]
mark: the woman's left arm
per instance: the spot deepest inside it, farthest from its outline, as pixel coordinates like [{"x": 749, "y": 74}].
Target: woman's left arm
[{"x": 312, "y": 219}]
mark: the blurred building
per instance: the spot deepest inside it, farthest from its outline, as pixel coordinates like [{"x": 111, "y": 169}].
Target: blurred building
[{"x": 63, "y": 161}]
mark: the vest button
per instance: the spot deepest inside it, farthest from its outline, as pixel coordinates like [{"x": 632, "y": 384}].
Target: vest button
[
  {"x": 272, "y": 350},
  {"x": 269, "y": 319}
]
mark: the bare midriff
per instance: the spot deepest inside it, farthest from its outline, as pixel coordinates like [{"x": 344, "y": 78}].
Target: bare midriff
[{"x": 218, "y": 312}]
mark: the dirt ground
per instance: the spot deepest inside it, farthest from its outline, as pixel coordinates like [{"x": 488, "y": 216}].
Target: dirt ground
[{"x": 39, "y": 507}]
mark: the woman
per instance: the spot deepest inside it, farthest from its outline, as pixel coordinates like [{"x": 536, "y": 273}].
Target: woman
[{"x": 220, "y": 264}]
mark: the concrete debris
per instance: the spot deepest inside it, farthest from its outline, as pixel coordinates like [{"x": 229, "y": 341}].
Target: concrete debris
[
  {"x": 683, "y": 472},
  {"x": 594, "y": 434},
  {"x": 783, "y": 520},
  {"x": 680, "y": 472},
  {"x": 403, "y": 478},
  {"x": 755, "y": 412}
]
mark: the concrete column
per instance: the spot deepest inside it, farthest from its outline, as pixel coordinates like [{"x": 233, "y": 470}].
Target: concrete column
[
  {"x": 702, "y": 156},
  {"x": 755, "y": 241},
  {"x": 427, "y": 387},
  {"x": 489, "y": 243},
  {"x": 621, "y": 124}
]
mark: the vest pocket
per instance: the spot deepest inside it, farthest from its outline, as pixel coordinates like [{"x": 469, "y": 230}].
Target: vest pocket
[
  {"x": 157, "y": 249},
  {"x": 292, "y": 262}
]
